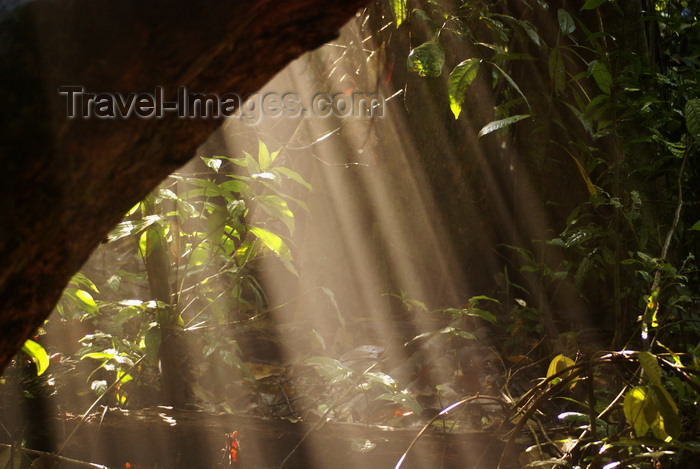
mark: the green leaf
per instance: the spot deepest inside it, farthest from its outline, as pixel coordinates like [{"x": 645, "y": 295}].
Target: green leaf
[
  {"x": 293, "y": 175},
  {"x": 399, "y": 9},
  {"x": 499, "y": 124},
  {"x": 668, "y": 423},
  {"x": 329, "y": 368},
  {"x": 566, "y": 22},
  {"x": 459, "y": 80},
  {"x": 263, "y": 156},
  {"x": 403, "y": 399},
  {"x": 81, "y": 279},
  {"x": 273, "y": 242},
  {"x": 558, "y": 364},
  {"x": 557, "y": 72},
  {"x": 38, "y": 355},
  {"x": 128, "y": 228},
  {"x": 636, "y": 406},
  {"x": 276, "y": 207},
  {"x": 651, "y": 367},
  {"x": 591, "y": 4},
  {"x": 601, "y": 75},
  {"x": 427, "y": 59},
  {"x": 692, "y": 121},
  {"x": 696, "y": 226}
]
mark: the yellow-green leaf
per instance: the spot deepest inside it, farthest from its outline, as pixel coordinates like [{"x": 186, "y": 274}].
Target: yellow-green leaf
[
  {"x": 399, "y": 9},
  {"x": 636, "y": 407},
  {"x": 558, "y": 364},
  {"x": 273, "y": 242},
  {"x": 459, "y": 80},
  {"x": 38, "y": 355}
]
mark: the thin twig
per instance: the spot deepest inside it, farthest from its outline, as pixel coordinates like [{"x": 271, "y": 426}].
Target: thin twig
[{"x": 36, "y": 452}]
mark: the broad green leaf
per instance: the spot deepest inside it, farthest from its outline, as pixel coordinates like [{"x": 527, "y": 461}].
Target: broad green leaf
[
  {"x": 38, "y": 355},
  {"x": 251, "y": 164},
  {"x": 457, "y": 332},
  {"x": 404, "y": 400},
  {"x": 276, "y": 207},
  {"x": 557, "y": 72},
  {"x": 87, "y": 301},
  {"x": 499, "y": 124},
  {"x": 399, "y": 9},
  {"x": 566, "y": 22},
  {"x": 651, "y": 367},
  {"x": 427, "y": 59},
  {"x": 200, "y": 254},
  {"x": 668, "y": 423},
  {"x": 636, "y": 406},
  {"x": 692, "y": 121},
  {"x": 601, "y": 75},
  {"x": 592, "y": 4},
  {"x": 531, "y": 32},
  {"x": 459, "y": 80},
  {"x": 273, "y": 242},
  {"x": 696, "y": 226},
  {"x": 263, "y": 156},
  {"x": 80, "y": 279},
  {"x": 293, "y": 175},
  {"x": 330, "y": 368}
]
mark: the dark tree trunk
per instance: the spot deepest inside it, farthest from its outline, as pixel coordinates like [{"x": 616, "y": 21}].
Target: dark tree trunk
[{"x": 66, "y": 182}]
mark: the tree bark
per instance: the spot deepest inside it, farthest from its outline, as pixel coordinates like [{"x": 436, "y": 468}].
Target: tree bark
[{"x": 65, "y": 182}]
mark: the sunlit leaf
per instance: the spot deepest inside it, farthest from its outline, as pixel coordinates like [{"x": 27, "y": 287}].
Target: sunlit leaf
[
  {"x": 500, "y": 124},
  {"x": 38, "y": 355},
  {"x": 399, "y": 9},
  {"x": 330, "y": 368},
  {"x": 213, "y": 163},
  {"x": 268, "y": 176},
  {"x": 459, "y": 80},
  {"x": 263, "y": 156},
  {"x": 635, "y": 408},
  {"x": 81, "y": 279},
  {"x": 427, "y": 59},
  {"x": 273, "y": 242},
  {"x": 128, "y": 228},
  {"x": 277, "y": 207},
  {"x": 559, "y": 364}
]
